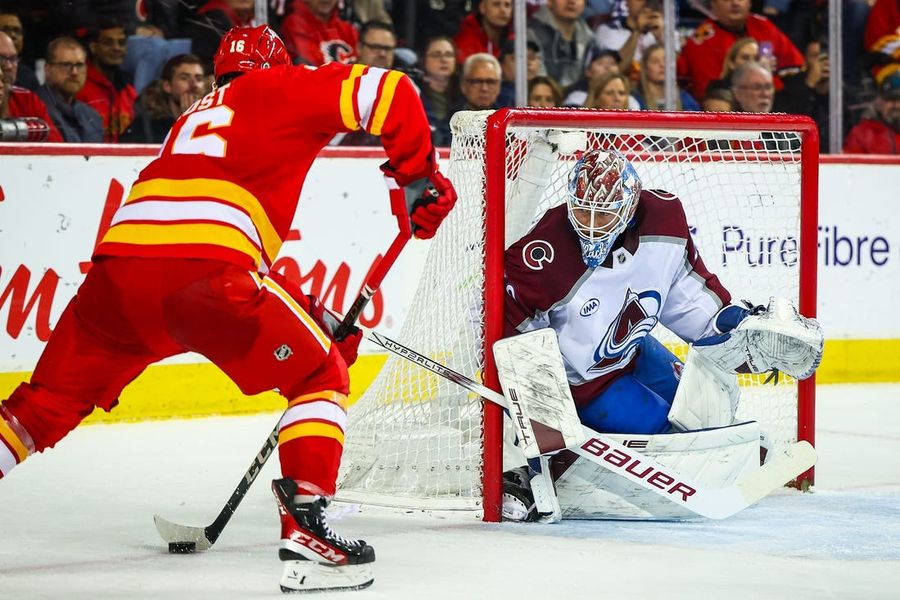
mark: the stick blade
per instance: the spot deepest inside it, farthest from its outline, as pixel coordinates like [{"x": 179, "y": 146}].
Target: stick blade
[
  {"x": 796, "y": 459},
  {"x": 179, "y": 534}
]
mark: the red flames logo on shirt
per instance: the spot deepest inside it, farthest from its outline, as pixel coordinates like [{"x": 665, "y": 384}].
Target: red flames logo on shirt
[
  {"x": 636, "y": 318},
  {"x": 336, "y": 51}
]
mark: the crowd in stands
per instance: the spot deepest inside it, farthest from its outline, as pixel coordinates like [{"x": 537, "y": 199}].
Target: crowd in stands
[{"x": 121, "y": 71}]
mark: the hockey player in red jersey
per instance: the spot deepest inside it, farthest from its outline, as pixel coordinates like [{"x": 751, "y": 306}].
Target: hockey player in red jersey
[{"x": 184, "y": 267}]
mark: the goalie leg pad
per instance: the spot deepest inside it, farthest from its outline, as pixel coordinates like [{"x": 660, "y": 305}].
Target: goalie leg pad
[
  {"x": 534, "y": 382},
  {"x": 717, "y": 457},
  {"x": 707, "y": 396}
]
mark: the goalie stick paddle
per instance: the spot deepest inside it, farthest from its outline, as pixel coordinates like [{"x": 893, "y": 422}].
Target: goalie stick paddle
[
  {"x": 706, "y": 501},
  {"x": 186, "y": 538}
]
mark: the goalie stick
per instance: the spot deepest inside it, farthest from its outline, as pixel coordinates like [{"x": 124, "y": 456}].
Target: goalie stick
[
  {"x": 186, "y": 538},
  {"x": 706, "y": 501}
]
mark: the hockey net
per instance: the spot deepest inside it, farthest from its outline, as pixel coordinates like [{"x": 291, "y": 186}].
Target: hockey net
[{"x": 748, "y": 185}]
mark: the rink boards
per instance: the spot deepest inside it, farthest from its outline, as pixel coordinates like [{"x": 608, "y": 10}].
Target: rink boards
[{"x": 54, "y": 207}]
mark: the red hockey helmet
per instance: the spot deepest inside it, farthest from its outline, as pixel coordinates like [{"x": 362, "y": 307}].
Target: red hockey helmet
[{"x": 245, "y": 49}]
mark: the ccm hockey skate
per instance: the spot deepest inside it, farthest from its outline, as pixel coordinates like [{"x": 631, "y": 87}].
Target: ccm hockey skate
[{"x": 315, "y": 557}]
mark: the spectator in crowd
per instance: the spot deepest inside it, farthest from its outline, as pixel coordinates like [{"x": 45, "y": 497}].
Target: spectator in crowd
[
  {"x": 480, "y": 83},
  {"x": 358, "y": 12},
  {"x": 485, "y": 29},
  {"x": 508, "y": 66},
  {"x": 718, "y": 100},
  {"x": 377, "y": 42},
  {"x": 610, "y": 92},
  {"x": 11, "y": 25},
  {"x": 753, "y": 88},
  {"x": 211, "y": 20},
  {"x": 315, "y": 34},
  {"x": 796, "y": 18},
  {"x": 564, "y": 38},
  {"x": 742, "y": 51},
  {"x": 879, "y": 131},
  {"x": 108, "y": 89},
  {"x": 439, "y": 88},
  {"x": 632, "y": 35},
  {"x": 433, "y": 18},
  {"x": 16, "y": 101},
  {"x": 65, "y": 73},
  {"x": 597, "y": 63},
  {"x": 806, "y": 92},
  {"x": 701, "y": 58},
  {"x": 882, "y": 38},
  {"x": 543, "y": 92},
  {"x": 182, "y": 83},
  {"x": 651, "y": 88}
]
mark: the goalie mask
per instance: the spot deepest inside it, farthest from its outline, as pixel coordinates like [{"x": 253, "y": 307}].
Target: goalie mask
[
  {"x": 603, "y": 194},
  {"x": 245, "y": 49}
]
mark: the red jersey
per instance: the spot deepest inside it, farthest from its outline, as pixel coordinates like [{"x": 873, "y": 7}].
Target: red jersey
[
  {"x": 704, "y": 52},
  {"x": 472, "y": 39},
  {"x": 25, "y": 103},
  {"x": 228, "y": 178},
  {"x": 116, "y": 106},
  {"x": 871, "y": 136},
  {"x": 315, "y": 43},
  {"x": 883, "y": 36}
]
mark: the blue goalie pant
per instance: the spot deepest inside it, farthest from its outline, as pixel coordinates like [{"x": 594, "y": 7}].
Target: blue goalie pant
[{"x": 637, "y": 402}]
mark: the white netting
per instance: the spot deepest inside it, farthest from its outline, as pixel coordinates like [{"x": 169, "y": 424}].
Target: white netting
[{"x": 415, "y": 439}]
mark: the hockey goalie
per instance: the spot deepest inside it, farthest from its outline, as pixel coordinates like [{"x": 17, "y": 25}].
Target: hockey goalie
[{"x": 602, "y": 270}]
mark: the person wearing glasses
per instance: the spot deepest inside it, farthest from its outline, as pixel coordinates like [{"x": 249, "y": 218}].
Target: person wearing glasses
[
  {"x": 16, "y": 101},
  {"x": 108, "y": 88},
  {"x": 480, "y": 83},
  {"x": 377, "y": 42},
  {"x": 753, "y": 88},
  {"x": 11, "y": 25},
  {"x": 65, "y": 73}
]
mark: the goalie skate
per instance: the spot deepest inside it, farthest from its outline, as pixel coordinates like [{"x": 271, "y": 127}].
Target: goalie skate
[{"x": 315, "y": 558}]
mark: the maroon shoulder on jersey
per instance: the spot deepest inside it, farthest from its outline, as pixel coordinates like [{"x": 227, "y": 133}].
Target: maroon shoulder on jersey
[{"x": 542, "y": 267}]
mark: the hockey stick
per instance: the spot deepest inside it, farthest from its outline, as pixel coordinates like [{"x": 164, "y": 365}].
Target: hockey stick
[
  {"x": 706, "y": 501},
  {"x": 184, "y": 539}
]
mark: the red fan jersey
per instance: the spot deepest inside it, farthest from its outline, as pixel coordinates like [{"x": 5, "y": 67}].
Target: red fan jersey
[
  {"x": 228, "y": 178},
  {"x": 704, "y": 51}
]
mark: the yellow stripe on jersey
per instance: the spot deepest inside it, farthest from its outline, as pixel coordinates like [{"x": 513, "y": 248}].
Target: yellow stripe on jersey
[
  {"x": 151, "y": 234},
  {"x": 384, "y": 101},
  {"x": 301, "y": 314},
  {"x": 213, "y": 188},
  {"x": 331, "y": 396},
  {"x": 310, "y": 429},
  {"x": 348, "y": 97},
  {"x": 13, "y": 440}
]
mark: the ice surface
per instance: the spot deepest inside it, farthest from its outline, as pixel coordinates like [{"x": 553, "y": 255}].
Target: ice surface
[{"x": 76, "y": 522}]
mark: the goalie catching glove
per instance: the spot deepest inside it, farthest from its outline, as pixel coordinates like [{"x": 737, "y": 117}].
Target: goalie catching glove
[
  {"x": 428, "y": 200},
  {"x": 775, "y": 338},
  {"x": 347, "y": 346}
]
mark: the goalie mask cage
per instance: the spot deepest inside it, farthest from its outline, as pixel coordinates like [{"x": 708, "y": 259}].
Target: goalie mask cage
[{"x": 749, "y": 187}]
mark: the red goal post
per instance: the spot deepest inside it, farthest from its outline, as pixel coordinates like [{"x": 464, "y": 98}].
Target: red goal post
[{"x": 749, "y": 185}]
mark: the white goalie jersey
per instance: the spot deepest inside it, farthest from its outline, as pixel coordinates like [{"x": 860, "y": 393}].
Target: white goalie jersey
[{"x": 653, "y": 274}]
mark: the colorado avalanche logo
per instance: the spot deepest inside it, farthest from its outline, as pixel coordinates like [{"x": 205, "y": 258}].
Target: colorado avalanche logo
[
  {"x": 536, "y": 253},
  {"x": 635, "y": 320}
]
